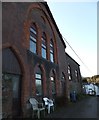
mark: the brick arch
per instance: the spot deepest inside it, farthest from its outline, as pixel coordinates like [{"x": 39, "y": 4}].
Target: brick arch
[
  {"x": 54, "y": 37},
  {"x": 27, "y": 25},
  {"x": 56, "y": 81},
  {"x": 24, "y": 90},
  {"x": 47, "y": 20},
  {"x": 43, "y": 77},
  {"x": 17, "y": 55},
  {"x": 43, "y": 19},
  {"x": 63, "y": 75}
]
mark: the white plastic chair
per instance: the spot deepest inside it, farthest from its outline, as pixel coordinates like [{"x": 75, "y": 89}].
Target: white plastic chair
[
  {"x": 35, "y": 106},
  {"x": 49, "y": 103}
]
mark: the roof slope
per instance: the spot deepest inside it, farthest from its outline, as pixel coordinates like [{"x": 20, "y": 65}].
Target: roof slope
[
  {"x": 71, "y": 58},
  {"x": 57, "y": 29}
]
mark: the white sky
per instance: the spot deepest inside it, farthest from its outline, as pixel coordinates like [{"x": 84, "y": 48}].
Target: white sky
[{"x": 77, "y": 22}]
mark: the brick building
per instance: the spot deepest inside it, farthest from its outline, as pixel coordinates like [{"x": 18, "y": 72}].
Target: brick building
[
  {"x": 34, "y": 59},
  {"x": 74, "y": 76}
]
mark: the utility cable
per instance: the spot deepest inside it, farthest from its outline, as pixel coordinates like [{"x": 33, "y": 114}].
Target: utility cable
[{"x": 77, "y": 55}]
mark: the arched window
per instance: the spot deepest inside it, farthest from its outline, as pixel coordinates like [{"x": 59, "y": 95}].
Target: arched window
[
  {"x": 69, "y": 69},
  {"x": 51, "y": 51},
  {"x": 52, "y": 78},
  {"x": 62, "y": 84},
  {"x": 43, "y": 45},
  {"x": 38, "y": 81},
  {"x": 76, "y": 73},
  {"x": 33, "y": 38},
  {"x": 69, "y": 72}
]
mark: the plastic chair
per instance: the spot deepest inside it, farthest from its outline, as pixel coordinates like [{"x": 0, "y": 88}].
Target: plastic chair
[
  {"x": 49, "y": 103},
  {"x": 35, "y": 106}
]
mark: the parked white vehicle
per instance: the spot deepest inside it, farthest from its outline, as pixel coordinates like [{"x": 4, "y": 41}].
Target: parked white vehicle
[
  {"x": 91, "y": 92},
  {"x": 97, "y": 90},
  {"x": 91, "y": 89}
]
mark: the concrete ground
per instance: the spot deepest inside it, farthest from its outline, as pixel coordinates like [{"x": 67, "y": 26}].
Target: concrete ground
[{"x": 85, "y": 108}]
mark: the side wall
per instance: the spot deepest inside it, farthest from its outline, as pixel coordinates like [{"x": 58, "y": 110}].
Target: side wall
[
  {"x": 75, "y": 82},
  {"x": 15, "y": 33}
]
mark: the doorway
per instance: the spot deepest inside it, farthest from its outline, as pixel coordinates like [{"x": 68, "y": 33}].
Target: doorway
[
  {"x": 11, "y": 101},
  {"x": 11, "y": 84}
]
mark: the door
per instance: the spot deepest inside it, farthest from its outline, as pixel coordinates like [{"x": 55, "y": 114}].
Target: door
[{"x": 11, "y": 95}]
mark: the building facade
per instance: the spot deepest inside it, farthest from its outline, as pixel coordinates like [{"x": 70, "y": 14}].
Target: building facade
[
  {"x": 74, "y": 75},
  {"x": 33, "y": 54}
]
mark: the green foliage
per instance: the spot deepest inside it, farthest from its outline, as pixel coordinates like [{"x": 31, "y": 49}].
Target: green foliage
[
  {"x": 84, "y": 80},
  {"x": 93, "y": 79}
]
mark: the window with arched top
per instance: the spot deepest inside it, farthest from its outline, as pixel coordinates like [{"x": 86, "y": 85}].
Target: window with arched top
[
  {"x": 52, "y": 78},
  {"x": 69, "y": 69},
  {"x": 33, "y": 38},
  {"x": 43, "y": 50},
  {"x": 51, "y": 51},
  {"x": 62, "y": 84},
  {"x": 38, "y": 81},
  {"x": 69, "y": 73},
  {"x": 76, "y": 73}
]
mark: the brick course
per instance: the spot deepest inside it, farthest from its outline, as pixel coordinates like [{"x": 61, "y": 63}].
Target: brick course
[{"x": 17, "y": 19}]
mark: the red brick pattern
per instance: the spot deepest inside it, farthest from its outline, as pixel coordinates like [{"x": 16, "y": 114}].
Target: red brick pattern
[{"x": 16, "y": 35}]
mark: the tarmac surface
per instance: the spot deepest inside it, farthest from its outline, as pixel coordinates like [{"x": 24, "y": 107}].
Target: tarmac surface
[{"x": 86, "y": 108}]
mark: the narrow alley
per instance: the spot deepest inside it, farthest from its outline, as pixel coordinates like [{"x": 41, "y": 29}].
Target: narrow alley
[{"x": 86, "y": 108}]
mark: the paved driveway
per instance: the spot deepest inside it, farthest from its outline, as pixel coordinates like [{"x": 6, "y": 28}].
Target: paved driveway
[{"x": 86, "y": 108}]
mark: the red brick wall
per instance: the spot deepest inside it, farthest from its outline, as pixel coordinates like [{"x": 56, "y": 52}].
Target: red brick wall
[
  {"x": 76, "y": 81},
  {"x": 17, "y": 18}
]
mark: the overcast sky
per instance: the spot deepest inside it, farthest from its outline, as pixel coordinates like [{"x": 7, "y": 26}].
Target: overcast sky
[{"x": 77, "y": 22}]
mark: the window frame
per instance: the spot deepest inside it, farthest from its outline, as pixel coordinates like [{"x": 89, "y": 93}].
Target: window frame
[
  {"x": 69, "y": 73},
  {"x": 53, "y": 84},
  {"x": 33, "y": 39},
  {"x": 76, "y": 73},
  {"x": 44, "y": 46},
  {"x": 38, "y": 79},
  {"x": 51, "y": 51},
  {"x": 69, "y": 69}
]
